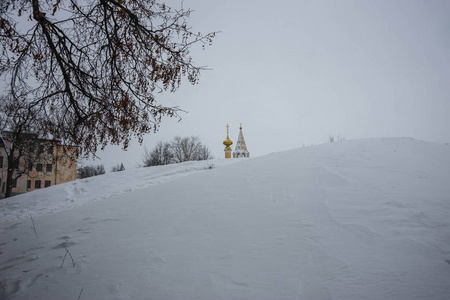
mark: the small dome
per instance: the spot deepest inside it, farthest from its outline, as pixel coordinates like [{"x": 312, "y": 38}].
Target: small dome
[{"x": 227, "y": 142}]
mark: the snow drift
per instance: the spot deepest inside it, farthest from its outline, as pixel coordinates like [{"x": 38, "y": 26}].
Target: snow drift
[{"x": 363, "y": 219}]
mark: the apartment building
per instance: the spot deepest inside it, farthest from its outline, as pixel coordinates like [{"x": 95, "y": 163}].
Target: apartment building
[{"x": 47, "y": 163}]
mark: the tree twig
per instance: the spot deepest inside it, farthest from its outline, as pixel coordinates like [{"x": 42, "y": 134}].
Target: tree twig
[
  {"x": 80, "y": 294},
  {"x": 34, "y": 227},
  {"x": 67, "y": 252}
]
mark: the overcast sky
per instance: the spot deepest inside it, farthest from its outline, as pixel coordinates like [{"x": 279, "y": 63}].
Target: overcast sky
[{"x": 295, "y": 72}]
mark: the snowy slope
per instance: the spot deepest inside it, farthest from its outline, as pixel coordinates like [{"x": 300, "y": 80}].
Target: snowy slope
[
  {"x": 363, "y": 219},
  {"x": 79, "y": 192}
]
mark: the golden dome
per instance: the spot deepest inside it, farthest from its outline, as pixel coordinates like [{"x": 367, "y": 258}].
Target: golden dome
[{"x": 227, "y": 142}]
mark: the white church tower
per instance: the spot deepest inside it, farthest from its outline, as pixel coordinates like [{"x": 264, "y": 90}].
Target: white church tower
[{"x": 241, "y": 148}]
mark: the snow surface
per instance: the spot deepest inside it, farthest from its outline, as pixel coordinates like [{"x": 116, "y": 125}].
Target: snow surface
[{"x": 362, "y": 219}]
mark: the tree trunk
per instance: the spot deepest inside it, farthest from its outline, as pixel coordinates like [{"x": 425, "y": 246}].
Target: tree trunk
[
  {"x": 9, "y": 182},
  {"x": 10, "y": 172}
]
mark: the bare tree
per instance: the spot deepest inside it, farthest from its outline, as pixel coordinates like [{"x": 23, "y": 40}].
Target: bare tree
[
  {"x": 333, "y": 139},
  {"x": 179, "y": 150},
  {"x": 161, "y": 154},
  {"x": 189, "y": 148},
  {"x": 185, "y": 149},
  {"x": 20, "y": 140},
  {"x": 89, "y": 171},
  {"x": 204, "y": 154},
  {"x": 92, "y": 68},
  {"x": 118, "y": 168},
  {"x": 146, "y": 158}
]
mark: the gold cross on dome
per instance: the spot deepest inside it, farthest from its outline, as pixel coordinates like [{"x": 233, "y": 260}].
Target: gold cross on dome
[{"x": 228, "y": 126}]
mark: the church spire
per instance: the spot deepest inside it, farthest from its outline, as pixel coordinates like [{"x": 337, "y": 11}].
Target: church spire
[
  {"x": 241, "y": 147},
  {"x": 227, "y": 144}
]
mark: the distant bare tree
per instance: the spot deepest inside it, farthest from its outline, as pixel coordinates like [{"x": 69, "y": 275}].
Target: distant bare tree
[
  {"x": 204, "y": 153},
  {"x": 333, "y": 139},
  {"x": 186, "y": 149},
  {"x": 146, "y": 158},
  {"x": 161, "y": 154},
  {"x": 89, "y": 171},
  {"x": 179, "y": 150},
  {"x": 118, "y": 168}
]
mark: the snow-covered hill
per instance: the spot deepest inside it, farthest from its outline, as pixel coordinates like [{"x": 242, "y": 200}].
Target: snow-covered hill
[{"x": 363, "y": 219}]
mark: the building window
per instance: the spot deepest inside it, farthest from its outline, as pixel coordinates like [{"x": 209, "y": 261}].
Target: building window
[
  {"x": 48, "y": 168},
  {"x": 41, "y": 149},
  {"x": 14, "y": 183},
  {"x": 47, "y": 183},
  {"x": 1, "y": 162},
  {"x": 28, "y": 184},
  {"x": 37, "y": 184},
  {"x": 39, "y": 167},
  {"x": 50, "y": 150},
  {"x": 30, "y": 166}
]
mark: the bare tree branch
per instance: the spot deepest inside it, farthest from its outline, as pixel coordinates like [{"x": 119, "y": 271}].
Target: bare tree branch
[{"x": 93, "y": 69}]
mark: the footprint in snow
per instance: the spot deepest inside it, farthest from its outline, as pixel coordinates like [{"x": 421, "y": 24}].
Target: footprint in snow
[{"x": 10, "y": 288}]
